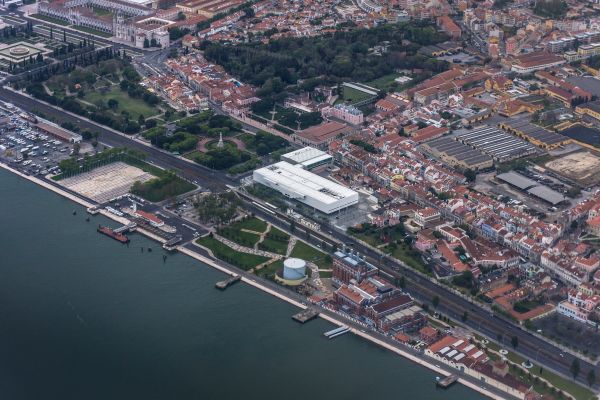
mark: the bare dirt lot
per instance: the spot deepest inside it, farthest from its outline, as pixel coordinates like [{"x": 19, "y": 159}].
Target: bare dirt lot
[
  {"x": 106, "y": 182},
  {"x": 582, "y": 167}
]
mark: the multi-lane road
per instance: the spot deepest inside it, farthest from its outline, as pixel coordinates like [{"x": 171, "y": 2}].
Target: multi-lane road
[
  {"x": 479, "y": 319},
  {"x": 206, "y": 177}
]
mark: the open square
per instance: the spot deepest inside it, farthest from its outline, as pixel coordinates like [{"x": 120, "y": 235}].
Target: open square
[
  {"x": 16, "y": 52},
  {"x": 106, "y": 182}
]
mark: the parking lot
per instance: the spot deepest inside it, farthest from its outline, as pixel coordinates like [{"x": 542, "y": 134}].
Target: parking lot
[{"x": 31, "y": 151}]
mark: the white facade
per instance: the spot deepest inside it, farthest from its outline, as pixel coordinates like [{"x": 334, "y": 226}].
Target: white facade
[
  {"x": 313, "y": 190},
  {"x": 344, "y": 112},
  {"x": 308, "y": 157}
]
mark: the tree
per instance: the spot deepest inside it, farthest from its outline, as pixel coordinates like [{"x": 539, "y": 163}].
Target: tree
[
  {"x": 435, "y": 301},
  {"x": 146, "y": 43},
  {"x": 113, "y": 103},
  {"x": 575, "y": 368},
  {"x": 402, "y": 282},
  {"x": 470, "y": 175},
  {"x": 550, "y": 8},
  {"x": 76, "y": 148},
  {"x": 249, "y": 12},
  {"x": 591, "y": 377},
  {"x": 514, "y": 341},
  {"x": 574, "y": 225}
]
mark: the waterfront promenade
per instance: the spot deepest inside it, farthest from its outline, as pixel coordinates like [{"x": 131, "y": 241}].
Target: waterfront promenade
[{"x": 278, "y": 292}]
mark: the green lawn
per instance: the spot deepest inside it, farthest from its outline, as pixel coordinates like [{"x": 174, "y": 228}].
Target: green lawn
[
  {"x": 101, "y": 11},
  {"x": 410, "y": 257},
  {"x": 13, "y": 19},
  {"x": 251, "y": 223},
  {"x": 383, "y": 82},
  {"x": 274, "y": 246},
  {"x": 269, "y": 271},
  {"x": 278, "y": 234},
  {"x": 163, "y": 187},
  {"x": 227, "y": 254},
  {"x": 134, "y": 107},
  {"x": 350, "y": 95},
  {"x": 578, "y": 391},
  {"x": 242, "y": 238},
  {"x": 50, "y": 19},
  {"x": 192, "y": 154},
  {"x": 309, "y": 253},
  {"x": 325, "y": 274},
  {"x": 276, "y": 241},
  {"x": 92, "y": 31}
]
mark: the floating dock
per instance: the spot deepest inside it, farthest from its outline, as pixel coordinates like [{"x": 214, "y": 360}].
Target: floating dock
[
  {"x": 336, "y": 332},
  {"x": 446, "y": 382},
  {"x": 222, "y": 285},
  {"x": 118, "y": 236},
  {"x": 172, "y": 243},
  {"x": 305, "y": 315}
]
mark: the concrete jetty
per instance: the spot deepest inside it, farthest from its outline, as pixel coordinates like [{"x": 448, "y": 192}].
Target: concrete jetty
[
  {"x": 222, "y": 285},
  {"x": 336, "y": 332},
  {"x": 448, "y": 381},
  {"x": 305, "y": 315}
]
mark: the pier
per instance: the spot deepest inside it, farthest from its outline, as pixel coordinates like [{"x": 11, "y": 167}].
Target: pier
[
  {"x": 222, "y": 285},
  {"x": 446, "y": 382},
  {"x": 305, "y": 315},
  {"x": 336, "y": 332},
  {"x": 93, "y": 210},
  {"x": 126, "y": 228},
  {"x": 171, "y": 244},
  {"x": 118, "y": 236}
]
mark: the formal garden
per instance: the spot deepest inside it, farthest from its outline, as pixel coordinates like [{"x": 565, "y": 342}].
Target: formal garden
[
  {"x": 254, "y": 245},
  {"x": 106, "y": 90},
  {"x": 218, "y": 142}
]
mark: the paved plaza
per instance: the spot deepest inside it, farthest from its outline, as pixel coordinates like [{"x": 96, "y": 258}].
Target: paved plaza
[{"x": 105, "y": 183}]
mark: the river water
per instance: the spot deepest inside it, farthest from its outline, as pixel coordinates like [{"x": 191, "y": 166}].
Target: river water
[{"x": 84, "y": 317}]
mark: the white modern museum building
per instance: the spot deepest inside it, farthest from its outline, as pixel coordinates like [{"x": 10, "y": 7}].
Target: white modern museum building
[{"x": 311, "y": 189}]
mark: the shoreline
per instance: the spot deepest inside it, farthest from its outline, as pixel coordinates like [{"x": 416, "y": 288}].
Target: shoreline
[{"x": 251, "y": 282}]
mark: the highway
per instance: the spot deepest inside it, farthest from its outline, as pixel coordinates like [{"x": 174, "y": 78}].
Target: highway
[
  {"x": 479, "y": 319},
  {"x": 206, "y": 177}
]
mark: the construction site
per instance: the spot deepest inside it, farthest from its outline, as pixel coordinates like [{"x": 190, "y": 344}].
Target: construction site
[{"x": 581, "y": 167}]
